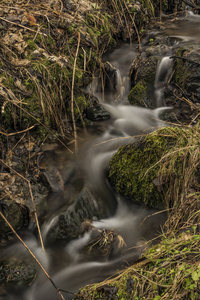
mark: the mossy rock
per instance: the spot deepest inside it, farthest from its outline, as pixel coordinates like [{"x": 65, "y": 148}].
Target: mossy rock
[
  {"x": 138, "y": 94},
  {"x": 136, "y": 170},
  {"x": 17, "y": 216},
  {"x": 142, "y": 73},
  {"x": 187, "y": 72},
  {"x": 16, "y": 274}
]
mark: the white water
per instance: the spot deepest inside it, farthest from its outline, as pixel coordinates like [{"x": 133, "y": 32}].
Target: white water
[
  {"x": 163, "y": 74},
  {"x": 69, "y": 267}
]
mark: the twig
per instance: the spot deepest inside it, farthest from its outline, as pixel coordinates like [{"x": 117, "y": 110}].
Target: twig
[
  {"x": 35, "y": 258},
  {"x": 190, "y": 4},
  {"x": 18, "y": 132},
  {"x": 72, "y": 94},
  {"x": 27, "y": 28},
  {"x": 156, "y": 213},
  {"x": 194, "y": 118},
  {"x": 31, "y": 194},
  {"x": 185, "y": 59}
]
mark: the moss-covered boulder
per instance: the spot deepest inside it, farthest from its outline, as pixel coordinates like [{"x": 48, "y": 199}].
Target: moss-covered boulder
[
  {"x": 142, "y": 73},
  {"x": 152, "y": 167},
  {"x": 16, "y": 274},
  {"x": 137, "y": 94},
  {"x": 187, "y": 71}
]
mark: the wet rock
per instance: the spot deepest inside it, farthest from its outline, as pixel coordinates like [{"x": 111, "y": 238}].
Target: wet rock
[
  {"x": 97, "y": 113},
  {"x": 139, "y": 172},
  {"x": 16, "y": 214},
  {"x": 187, "y": 71},
  {"x": 142, "y": 75},
  {"x": 157, "y": 50},
  {"x": 40, "y": 194},
  {"x": 108, "y": 81},
  {"x": 67, "y": 225},
  {"x": 107, "y": 291},
  {"x": 103, "y": 243},
  {"x": 56, "y": 170},
  {"x": 16, "y": 275},
  {"x": 138, "y": 94},
  {"x": 184, "y": 93}
]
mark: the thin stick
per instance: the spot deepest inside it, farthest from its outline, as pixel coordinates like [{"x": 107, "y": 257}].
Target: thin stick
[
  {"x": 168, "y": 154},
  {"x": 35, "y": 258},
  {"x": 31, "y": 194},
  {"x": 18, "y": 132},
  {"x": 27, "y": 28},
  {"x": 72, "y": 95},
  {"x": 185, "y": 59}
]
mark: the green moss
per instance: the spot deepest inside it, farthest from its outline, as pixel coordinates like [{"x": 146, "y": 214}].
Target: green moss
[
  {"x": 169, "y": 263},
  {"x": 135, "y": 171},
  {"x": 31, "y": 45},
  {"x": 80, "y": 106},
  {"x": 137, "y": 94},
  {"x": 182, "y": 73},
  {"x": 8, "y": 80}
]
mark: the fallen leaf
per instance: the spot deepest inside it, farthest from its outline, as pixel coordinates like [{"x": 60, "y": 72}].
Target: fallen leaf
[
  {"x": 20, "y": 62},
  {"x": 31, "y": 19}
]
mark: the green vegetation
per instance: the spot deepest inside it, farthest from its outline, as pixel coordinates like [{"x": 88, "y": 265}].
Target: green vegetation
[
  {"x": 182, "y": 70},
  {"x": 169, "y": 270},
  {"x": 37, "y": 84},
  {"x": 137, "y": 94},
  {"x": 157, "y": 165}
]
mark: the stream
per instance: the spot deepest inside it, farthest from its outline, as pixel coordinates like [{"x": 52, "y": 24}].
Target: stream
[{"x": 71, "y": 265}]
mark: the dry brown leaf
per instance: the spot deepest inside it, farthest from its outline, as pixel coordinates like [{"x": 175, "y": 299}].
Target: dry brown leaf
[
  {"x": 32, "y": 20},
  {"x": 20, "y": 62},
  {"x": 16, "y": 41}
]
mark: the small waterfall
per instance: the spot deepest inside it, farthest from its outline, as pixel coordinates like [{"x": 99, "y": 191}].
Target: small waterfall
[
  {"x": 162, "y": 76},
  {"x": 68, "y": 266}
]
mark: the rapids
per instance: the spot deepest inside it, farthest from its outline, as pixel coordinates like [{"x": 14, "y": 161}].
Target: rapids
[{"x": 69, "y": 267}]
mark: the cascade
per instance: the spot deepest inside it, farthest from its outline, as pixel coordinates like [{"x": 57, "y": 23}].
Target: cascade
[
  {"x": 74, "y": 268},
  {"x": 162, "y": 76}
]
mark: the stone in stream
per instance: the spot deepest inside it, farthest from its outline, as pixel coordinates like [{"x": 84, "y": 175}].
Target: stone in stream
[
  {"x": 182, "y": 87},
  {"x": 146, "y": 171},
  {"x": 16, "y": 214},
  {"x": 142, "y": 75},
  {"x": 67, "y": 225},
  {"x": 55, "y": 169},
  {"x": 16, "y": 274},
  {"x": 97, "y": 113},
  {"x": 103, "y": 243}
]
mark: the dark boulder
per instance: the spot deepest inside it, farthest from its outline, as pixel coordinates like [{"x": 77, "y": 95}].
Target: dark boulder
[
  {"x": 16, "y": 214},
  {"x": 67, "y": 225}
]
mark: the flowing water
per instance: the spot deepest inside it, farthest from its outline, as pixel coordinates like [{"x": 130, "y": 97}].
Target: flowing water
[{"x": 69, "y": 266}]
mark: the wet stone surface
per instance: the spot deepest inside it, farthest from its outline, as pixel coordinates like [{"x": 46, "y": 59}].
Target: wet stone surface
[{"x": 16, "y": 275}]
